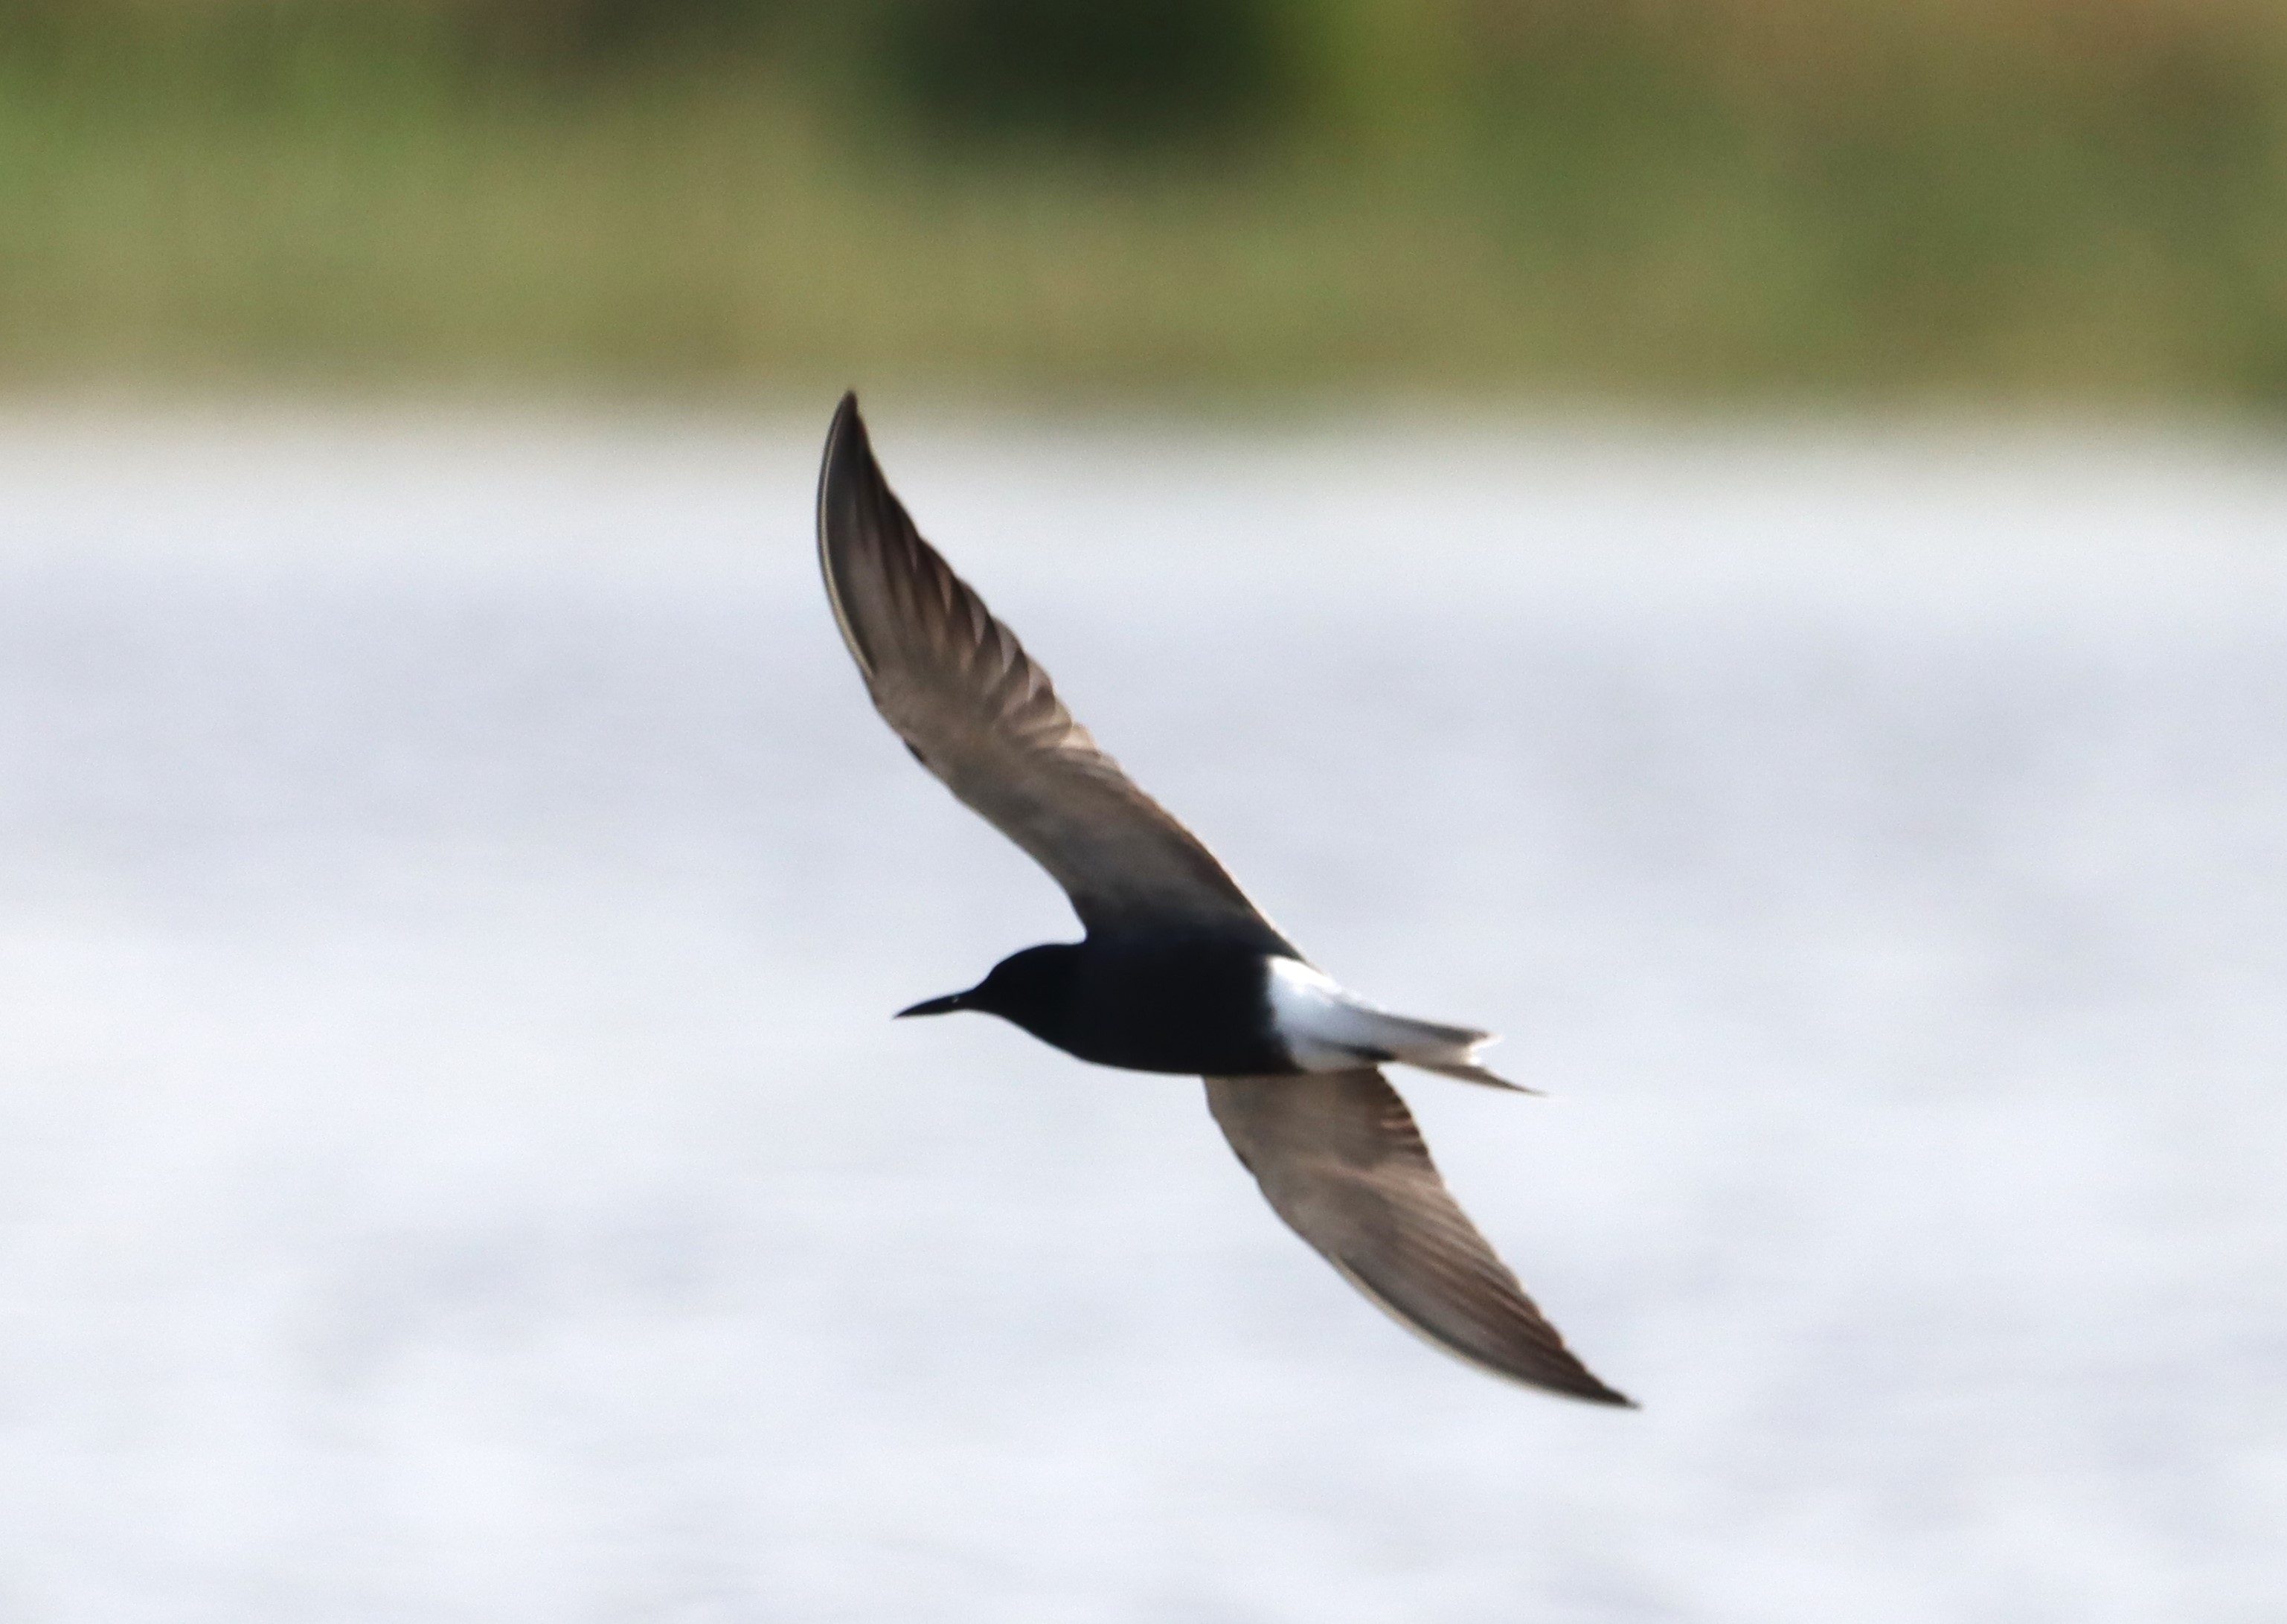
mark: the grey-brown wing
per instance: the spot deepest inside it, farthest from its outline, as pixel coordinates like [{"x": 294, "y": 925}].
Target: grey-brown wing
[
  {"x": 959, "y": 688},
  {"x": 1341, "y": 1161}
]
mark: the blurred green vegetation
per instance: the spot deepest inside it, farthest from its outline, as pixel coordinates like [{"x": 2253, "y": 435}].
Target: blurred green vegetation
[{"x": 2055, "y": 200}]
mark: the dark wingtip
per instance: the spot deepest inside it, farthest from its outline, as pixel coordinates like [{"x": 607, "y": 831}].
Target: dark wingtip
[
  {"x": 852, "y": 494},
  {"x": 1559, "y": 1373},
  {"x": 1578, "y": 1384},
  {"x": 849, "y": 449},
  {"x": 1589, "y": 1388}
]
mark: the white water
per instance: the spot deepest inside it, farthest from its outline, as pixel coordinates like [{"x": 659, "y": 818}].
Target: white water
[{"x": 455, "y": 1164}]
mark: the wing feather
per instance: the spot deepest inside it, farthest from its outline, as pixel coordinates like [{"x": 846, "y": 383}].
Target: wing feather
[
  {"x": 974, "y": 708},
  {"x": 1339, "y": 1159}
]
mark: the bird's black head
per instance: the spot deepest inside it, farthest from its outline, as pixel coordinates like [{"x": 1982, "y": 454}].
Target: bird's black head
[{"x": 1034, "y": 988}]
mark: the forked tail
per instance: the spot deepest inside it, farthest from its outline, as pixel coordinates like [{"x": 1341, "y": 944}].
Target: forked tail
[{"x": 1326, "y": 1028}]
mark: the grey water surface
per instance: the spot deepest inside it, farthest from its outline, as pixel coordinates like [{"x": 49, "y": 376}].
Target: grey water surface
[{"x": 456, "y": 1164}]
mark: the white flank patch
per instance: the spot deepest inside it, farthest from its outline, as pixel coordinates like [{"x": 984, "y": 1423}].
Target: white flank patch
[{"x": 1327, "y": 1028}]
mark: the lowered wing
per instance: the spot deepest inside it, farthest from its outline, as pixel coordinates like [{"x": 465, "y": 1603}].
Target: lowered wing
[{"x": 1341, "y": 1161}]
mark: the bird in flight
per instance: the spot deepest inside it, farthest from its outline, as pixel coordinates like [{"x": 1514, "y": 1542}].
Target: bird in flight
[{"x": 1178, "y": 972}]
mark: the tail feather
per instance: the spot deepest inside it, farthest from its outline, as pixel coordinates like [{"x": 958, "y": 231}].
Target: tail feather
[
  {"x": 1327, "y": 1028},
  {"x": 1448, "y": 1051},
  {"x": 1470, "y": 1072}
]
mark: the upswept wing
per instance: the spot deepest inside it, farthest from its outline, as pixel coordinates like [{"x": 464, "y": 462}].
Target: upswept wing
[
  {"x": 1341, "y": 1161},
  {"x": 960, "y": 690}
]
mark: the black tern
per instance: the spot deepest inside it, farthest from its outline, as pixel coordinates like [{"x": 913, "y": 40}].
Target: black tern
[{"x": 1178, "y": 972}]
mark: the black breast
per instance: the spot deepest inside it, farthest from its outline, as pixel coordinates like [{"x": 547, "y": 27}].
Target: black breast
[{"x": 1173, "y": 1004}]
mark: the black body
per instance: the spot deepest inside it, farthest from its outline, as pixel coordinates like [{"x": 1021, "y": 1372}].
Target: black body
[{"x": 1148, "y": 1002}]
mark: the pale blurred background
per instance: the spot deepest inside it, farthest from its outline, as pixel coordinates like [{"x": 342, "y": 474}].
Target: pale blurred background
[{"x": 1743, "y": 543}]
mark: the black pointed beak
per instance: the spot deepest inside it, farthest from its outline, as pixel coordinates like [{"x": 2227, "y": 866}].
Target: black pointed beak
[{"x": 945, "y": 1005}]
